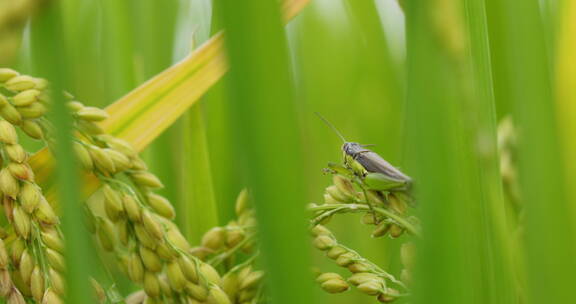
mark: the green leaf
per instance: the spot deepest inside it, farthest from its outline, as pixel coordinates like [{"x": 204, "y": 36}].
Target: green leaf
[
  {"x": 525, "y": 80},
  {"x": 144, "y": 113},
  {"x": 267, "y": 141}
]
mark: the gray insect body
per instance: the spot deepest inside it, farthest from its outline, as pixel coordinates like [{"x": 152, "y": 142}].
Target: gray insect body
[
  {"x": 370, "y": 160},
  {"x": 373, "y": 162}
]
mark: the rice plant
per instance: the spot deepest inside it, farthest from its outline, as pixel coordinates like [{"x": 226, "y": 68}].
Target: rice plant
[{"x": 172, "y": 152}]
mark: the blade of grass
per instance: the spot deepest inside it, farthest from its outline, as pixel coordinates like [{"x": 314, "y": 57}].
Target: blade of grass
[
  {"x": 117, "y": 49},
  {"x": 196, "y": 191},
  {"x": 196, "y": 179},
  {"x": 49, "y": 50},
  {"x": 268, "y": 143},
  {"x": 565, "y": 83},
  {"x": 452, "y": 148},
  {"x": 499, "y": 246},
  {"x": 156, "y": 21},
  {"x": 550, "y": 247},
  {"x": 81, "y": 26},
  {"x": 226, "y": 172}
]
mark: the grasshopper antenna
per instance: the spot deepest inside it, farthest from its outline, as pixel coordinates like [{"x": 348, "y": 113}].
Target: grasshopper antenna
[{"x": 331, "y": 126}]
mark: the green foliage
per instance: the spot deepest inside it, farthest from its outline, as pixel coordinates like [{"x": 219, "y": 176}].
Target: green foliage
[{"x": 497, "y": 222}]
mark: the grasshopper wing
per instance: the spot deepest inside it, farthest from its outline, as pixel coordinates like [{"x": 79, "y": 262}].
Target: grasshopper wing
[{"x": 373, "y": 162}]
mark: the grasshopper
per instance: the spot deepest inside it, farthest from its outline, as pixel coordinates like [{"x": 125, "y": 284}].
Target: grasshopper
[{"x": 377, "y": 173}]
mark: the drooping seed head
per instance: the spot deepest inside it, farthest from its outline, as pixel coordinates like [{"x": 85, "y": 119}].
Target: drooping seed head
[
  {"x": 371, "y": 288},
  {"x": 151, "y": 285},
  {"x": 146, "y": 179},
  {"x": 234, "y": 235},
  {"x": 15, "y": 153},
  {"x": 344, "y": 186},
  {"x": 121, "y": 161},
  {"x": 32, "y": 129},
  {"x": 50, "y": 297},
  {"x": 26, "y": 266},
  {"x": 10, "y": 113},
  {"x": 106, "y": 234},
  {"x": 3, "y": 100},
  {"x": 214, "y": 238},
  {"x": 37, "y": 284},
  {"x": 26, "y": 98},
  {"x": 133, "y": 210},
  {"x": 161, "y": 205},
  {"x": 16, "y": 250},
  {"x": 346, "y": 259},
  {"x": 4, "y": 259},
  {"x": 92, "y": 114},
  {"x": 166, "y": 252},
  {"x": 320, "y": 230},
  {"x": 21, "y": 171},
  {"x": 102, "y": 160},
  {"x": 175, "y": 276},
  {"x": 175, "y": 237},
  {"x": 144, "y": 237},
  {"x": 152, "y": 225},
  {"x": 20, "y": 83},
  {"x": 381, "y": 229},
  {"x": 335, "y": 252},
  {"x": 150, "y": 259},
  {"x": 8, "y": 184},
  {"x": 189, "y": 269},
  {"x": 324, "y": 242},
  {"x": 7, "y": 133},
  {"x": 56, "y": 260},
  {"x": 29, "y": 197},
  {"x": 57, "y": 282},
  {"x": 358, "y": 267},
  {"x": 217, "y": 296},
  {"x": 335, "y": 286},
  {"x": 252, "y": 280},
  {"x": 241, "y": 202},
  {"x": 5, "y": 282},
  {"x": 135, "y": 268},
  {"x": 112, "y": 203},
  {"x": 337, "y": 194},
  {"x": 34, "y": 110},
  {"x": 22, "y": 222},
  {"x": 390, "y": 295},
  {"x": 120, "y": 145},
  {"x": 396, "y": 231},
  {"x": 83, "y": 156},
  {"x": 210, "y": 274},
  {"x": 15, "y": 297},
  {"x": 7, "y": 74},
  {"x": 230, "y": 284},
  {"x": 198, "y": 292},
  {"x": 328, "y": 276},
  {"x": 75, "y": 105},
  {"x": 362, "y": 277},
  {"x": 45, "y": 214},
  {"x": 53, "y": 241}
]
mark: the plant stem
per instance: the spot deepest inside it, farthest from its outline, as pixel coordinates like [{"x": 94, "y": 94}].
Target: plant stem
[{"x": 358, "y": 207}]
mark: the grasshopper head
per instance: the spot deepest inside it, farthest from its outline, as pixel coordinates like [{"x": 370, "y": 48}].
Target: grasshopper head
[{"x": 352, "y": 148}]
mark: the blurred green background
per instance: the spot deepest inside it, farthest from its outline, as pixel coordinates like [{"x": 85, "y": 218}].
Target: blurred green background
[{"x": 426, "y": 82}]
